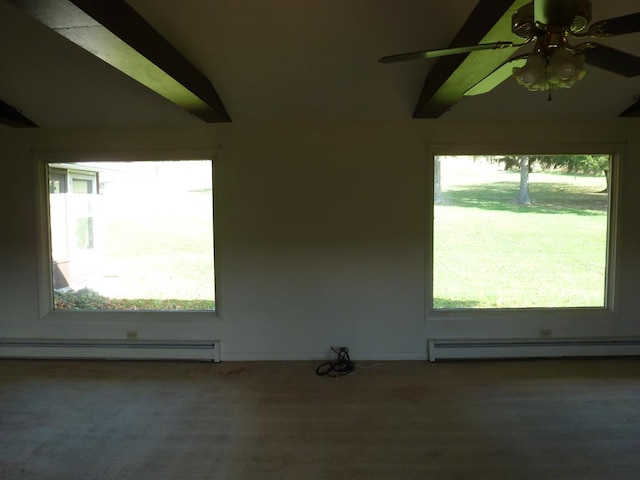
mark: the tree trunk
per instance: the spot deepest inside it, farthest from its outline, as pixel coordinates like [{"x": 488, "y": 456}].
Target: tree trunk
[
  {"x": 606, "y": 176},
  {"x": 437, "y": 182},
  {"x": 523, "y": 194}
]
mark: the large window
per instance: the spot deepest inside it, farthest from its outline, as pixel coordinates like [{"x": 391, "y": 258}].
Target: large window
[
  {"x": 521, "y": 231},
  {"x": 131, "y": 235}
]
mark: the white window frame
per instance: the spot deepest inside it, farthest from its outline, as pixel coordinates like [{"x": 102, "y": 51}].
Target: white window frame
[
  {"x": 616, "y": 153},
  {"x": 46, "y": 312}
]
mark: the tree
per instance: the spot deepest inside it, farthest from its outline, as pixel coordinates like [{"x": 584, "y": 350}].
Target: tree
[
  {"x": 523, "y": 193},
  {"x": 525, "y": 165},
  {"x": 576, "y": 164},
  {"x": 437, "y": 181},
  {"x": 606, "y": 176}
]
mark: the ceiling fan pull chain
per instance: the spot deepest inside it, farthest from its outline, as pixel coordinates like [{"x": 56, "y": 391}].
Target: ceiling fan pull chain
[{"x": 546, "y": 76}]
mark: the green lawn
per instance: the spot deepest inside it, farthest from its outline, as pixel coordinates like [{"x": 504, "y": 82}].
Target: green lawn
[
  {"x": 153, "y": 241},
  {"x": 490, "y": 252},
  {"x": 160, "y": 252}
]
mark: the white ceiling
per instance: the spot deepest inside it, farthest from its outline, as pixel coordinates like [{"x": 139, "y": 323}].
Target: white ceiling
[{"x": 284, "y": 60}]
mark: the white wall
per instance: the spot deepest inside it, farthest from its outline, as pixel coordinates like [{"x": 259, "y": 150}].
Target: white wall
[{"x": 321, "y": 236}]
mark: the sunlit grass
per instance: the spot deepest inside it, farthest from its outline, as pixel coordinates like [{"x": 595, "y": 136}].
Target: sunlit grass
[
  {"x": 153, "y": 240},
  {"x": 490, "y": 252},
  {"x": 160, "y": 252}
]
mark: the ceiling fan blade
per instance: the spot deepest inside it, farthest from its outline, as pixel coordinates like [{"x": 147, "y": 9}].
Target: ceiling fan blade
[
  {"x": 614, "y": 26},
  {"x": 499, "y": 75},
  {"x": 446, "y": 51},
  {"x": 610, "y": 59},
  {"x": 555, "y": 13}
]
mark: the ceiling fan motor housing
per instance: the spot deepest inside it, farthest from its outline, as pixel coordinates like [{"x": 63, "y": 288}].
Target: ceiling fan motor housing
[
  {"x": 522, "y": 23},
  {"x": 571, "y": 16}
]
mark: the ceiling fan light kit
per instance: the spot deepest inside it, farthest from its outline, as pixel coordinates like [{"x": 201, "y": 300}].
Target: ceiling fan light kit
[
  {"x": 556, "y": 66},
  {"x": 554, "y": 62}
]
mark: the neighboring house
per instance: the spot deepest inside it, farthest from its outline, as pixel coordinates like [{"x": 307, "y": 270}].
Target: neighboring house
[{"x": 73, "y": 192}]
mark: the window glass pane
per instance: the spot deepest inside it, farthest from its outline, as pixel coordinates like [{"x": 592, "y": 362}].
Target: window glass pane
[
  {"x": 81, "y": 185},
  {"x": 133, "y": 236},
  {"x": 84, "y": 233},
  {"x": 56, "y": 185},
  {"x": 520, "y": 231},
  {"x": 57, "y": 181}
]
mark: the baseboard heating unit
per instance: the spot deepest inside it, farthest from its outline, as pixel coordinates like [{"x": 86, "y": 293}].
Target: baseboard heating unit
[
  {"x": 106, "y": 349},
  {"x": 444, "y": 349}
]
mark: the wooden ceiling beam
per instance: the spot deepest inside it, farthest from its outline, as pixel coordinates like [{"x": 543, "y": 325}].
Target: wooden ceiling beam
[
  {"x": 12, "y": 117},
  {"x": 452, "y": 76},
  {"x": 117, "y": 34},
  {"x": 632, "y": 111}
]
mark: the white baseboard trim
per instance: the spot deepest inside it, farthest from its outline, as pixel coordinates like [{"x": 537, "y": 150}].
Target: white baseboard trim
[
  {"x": 449, "y": 349},
  {"x": 111, "y": 349},
  {"x": 320, "y": 357}
]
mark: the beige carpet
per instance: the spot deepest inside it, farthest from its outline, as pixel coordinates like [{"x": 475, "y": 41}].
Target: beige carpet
[{"x": 561, "y": 419}]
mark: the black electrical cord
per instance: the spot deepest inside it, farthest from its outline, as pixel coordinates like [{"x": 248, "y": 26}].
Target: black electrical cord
[{"x": 342, "y": 366}]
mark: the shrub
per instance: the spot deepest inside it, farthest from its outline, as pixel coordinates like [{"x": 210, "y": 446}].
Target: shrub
[{"x": 87, "y": 299}]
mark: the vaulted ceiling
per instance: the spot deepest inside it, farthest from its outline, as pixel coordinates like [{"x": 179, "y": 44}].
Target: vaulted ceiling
[{"x": 161, "y": 62}]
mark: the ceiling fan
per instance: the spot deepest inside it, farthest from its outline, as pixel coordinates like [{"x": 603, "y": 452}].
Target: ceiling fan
[{"x": 554, "y": 62}]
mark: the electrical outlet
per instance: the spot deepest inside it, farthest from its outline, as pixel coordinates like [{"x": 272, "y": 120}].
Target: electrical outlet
[
  {"x": 545, "y": 333},
  {"x": 132, "y": 334}
]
